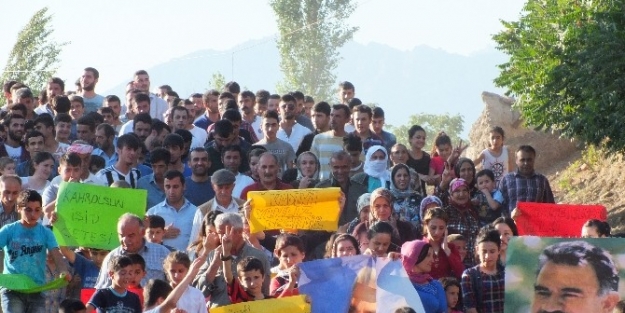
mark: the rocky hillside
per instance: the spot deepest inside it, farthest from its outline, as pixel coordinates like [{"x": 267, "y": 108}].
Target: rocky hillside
[{"x": 583, "y": 176}]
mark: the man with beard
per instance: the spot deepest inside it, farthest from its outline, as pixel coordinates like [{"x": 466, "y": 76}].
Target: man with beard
[
  {"x": 199, "y": 189},
  {"x": 153, "y": 183},
  {"x": 247, "y": 100},
  {"x": 182, "y": 119},
  {"x": 13, "y": 146},
  {"x": 223, "y": 135},
  {"x": 88, "y": 80},
  {"x": 141, "y": 106},
  {"x": 85, "y": 129},
  {"x": 290, "y": 131},
  {"x": 158, "y": 106},
  {"x": 321, "y": 120},
  {"x": 104, "y": 137},
  {"x": 299, "y": 108},
  {"x": 210, "y": 102},
  {"x": 159, "y": 131},
  {"x": 232, "y": 156},
  {"x": 124, "y": 168}
]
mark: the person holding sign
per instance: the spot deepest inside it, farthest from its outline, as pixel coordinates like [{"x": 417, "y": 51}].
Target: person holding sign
[{"x": 25, "y": 243}]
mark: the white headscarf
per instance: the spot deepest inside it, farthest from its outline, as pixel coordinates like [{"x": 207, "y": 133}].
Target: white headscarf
[{"x": 377, "y": 169}]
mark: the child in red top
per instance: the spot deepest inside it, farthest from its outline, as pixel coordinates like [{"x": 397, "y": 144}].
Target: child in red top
[{"x": 291, "y": 252}]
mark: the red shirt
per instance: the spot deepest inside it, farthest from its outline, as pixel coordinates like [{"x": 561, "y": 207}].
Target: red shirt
[
  {"x": 257, "y": 186},
  {"x": 446, "y": 266}
]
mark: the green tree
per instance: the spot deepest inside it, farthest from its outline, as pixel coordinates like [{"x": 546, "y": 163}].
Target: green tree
[
  {"x": 433, "y": 124},
  {"x": 566, "y": 67},
  {"x": 218, "y": 81},
  {"x": 35, "y": 56},
  {"x": 311, "y": 33}
]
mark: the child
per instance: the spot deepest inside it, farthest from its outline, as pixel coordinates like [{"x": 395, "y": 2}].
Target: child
[
  {"x": 418, "y": 159},
  {"x": 27, "y": 234},
  {"x": 156, "y": 230},
  {"x": 595, "y": 229},
  {"x": 460, "y": 242},
  {"x": 176, "y": 266},
  {"x": 291, "y": 252},
  {"x": 7, "y": 166},
  {"x": 483, "y": 284},
  {"x": 496, "y": 157},
  {"x": 250, "y": 277},
  {"x": 96, "y": 164},
  {"x": 440, "y": 153},
  {"x": 137, "y": 273},
  {"x": 116, "y": 298},
  {"x": 488, "y": 203},
  {"x": 87, "y": 268},
  {"x": 452, "y": 292}
]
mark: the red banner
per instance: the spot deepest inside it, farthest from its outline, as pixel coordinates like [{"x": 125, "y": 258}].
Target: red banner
[{"x": 556, "y": 220}]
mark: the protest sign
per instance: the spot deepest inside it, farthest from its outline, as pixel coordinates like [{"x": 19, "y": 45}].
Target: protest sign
[
  {"x": 560, "y": 283},
  {"x": 295, "y": 304},
  {"x": 303, "y": 209},
  {"x": 87, "y": 214},
  {"x": 357, "y": 284},
  {"x": 24, "y": 284},
  {"x": 556, "y": 220}
]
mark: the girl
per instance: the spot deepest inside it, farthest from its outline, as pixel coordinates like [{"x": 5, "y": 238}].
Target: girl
[
  {"x": 506, "y": 228},
  {"x": 417, "y": 258},
  {"x": 291, "y": 252},
  {"x": 483, "y": 285},
  {"x": 418, "y": 159},
  {"x": 344, "y": 245},
  {"x": 462, "y": 218},
  {"x": 447, "y": 259},
  {"x": 496, "y": 157},
  {"x": 595, "y": 229},
  {"x": 443, "y": 155},
  {"x": 176, "y": 267},
  {"x": 306, "y": 175},
  {"x": 42, "y": 164},
  {"x": 452, "y": 292},
  {"x": 7, "y": 166},
  {"x": 379, "y": 239},
  {"x": 406, "y": 199},
  {"x": 208, "y": 235}
]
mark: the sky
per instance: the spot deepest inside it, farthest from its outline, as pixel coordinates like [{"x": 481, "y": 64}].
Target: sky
[{"x": 119, "y": 37}]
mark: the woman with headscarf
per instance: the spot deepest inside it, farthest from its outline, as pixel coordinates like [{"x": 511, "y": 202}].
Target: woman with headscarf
[
  {"x": 381, "y": 211},
  {"x": 376, "y": 173},
  {"x": 306, "y": 175},
  {"x": 462, "y": 217},
  {"x": 363, "y": 206},
  {"x": 417, "y": 258},
  {"x": 406, "y": 199},
  {"x": 465, "y": 169}
]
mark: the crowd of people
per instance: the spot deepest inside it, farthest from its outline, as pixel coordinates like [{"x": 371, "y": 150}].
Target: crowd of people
[{"x": 446, "y": 217}]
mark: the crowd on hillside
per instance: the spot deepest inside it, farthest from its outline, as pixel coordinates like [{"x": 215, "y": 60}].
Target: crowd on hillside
[{"x": 446, "y": 217}]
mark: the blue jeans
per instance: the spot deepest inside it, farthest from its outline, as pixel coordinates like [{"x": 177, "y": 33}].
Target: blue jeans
[{"x": 17, "y": 302}]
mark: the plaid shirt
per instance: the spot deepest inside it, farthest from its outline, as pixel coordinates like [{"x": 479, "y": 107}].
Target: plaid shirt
[
  {"x": 465, "y": 223},
  {"x": 516, "y": 188},
  {"x": 492, "y": 290}
]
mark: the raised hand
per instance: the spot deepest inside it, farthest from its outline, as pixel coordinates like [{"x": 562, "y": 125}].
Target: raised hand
[
  {"x": 226, "y": 241},
  {"x": 247, "y": 209},
  {"x": 171, "y": 231},
  {"x": 445, "y": 245}
]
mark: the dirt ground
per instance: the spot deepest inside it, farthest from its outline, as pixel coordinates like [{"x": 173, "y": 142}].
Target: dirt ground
[{"x": 589, "y": 177}]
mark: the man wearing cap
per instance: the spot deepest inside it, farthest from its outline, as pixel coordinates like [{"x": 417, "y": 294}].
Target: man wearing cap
[
  {"x": 223, "y": 182},
  {"x": 199, "y": 188}
]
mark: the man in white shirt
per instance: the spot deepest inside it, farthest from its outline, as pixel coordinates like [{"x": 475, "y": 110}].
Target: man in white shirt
[
  {"x": 177, "y": 211},
  {"x": 13, "y": 146},
  {"x": 54, "y": 87},
  {"x": 141, "y": 105},
  {"x": 290, "y": 131},
  {"x": 182, "y": 119},
  {"x": 231, "y": 157},
  {"x": 158, "y": 106}
]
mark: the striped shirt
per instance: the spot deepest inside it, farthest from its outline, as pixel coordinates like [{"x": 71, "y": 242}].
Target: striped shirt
[
  {"x": 110, "y": 174},
  {"x": 323, "y": 146}
]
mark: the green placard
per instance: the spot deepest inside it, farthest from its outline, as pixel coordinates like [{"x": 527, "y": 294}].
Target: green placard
[
  {"x": 24, "y": 284},
  {"x": 88, "y": 214}
]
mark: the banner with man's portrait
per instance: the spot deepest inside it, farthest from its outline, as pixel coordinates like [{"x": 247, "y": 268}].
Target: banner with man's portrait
[{"x": 564, "y": 274}]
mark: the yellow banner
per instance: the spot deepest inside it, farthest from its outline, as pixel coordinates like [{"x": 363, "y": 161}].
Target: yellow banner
[
  {"x": 302, "y": 209},
  {"x": 295, "y": 304}
]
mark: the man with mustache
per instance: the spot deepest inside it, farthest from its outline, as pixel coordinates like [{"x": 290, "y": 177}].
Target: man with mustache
[
  {"x": 13, "y": 146},
  {"x": 199, "y": 189},
  {"x": 575, "y": 276},
  {"x": 88, "y": 81}
]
